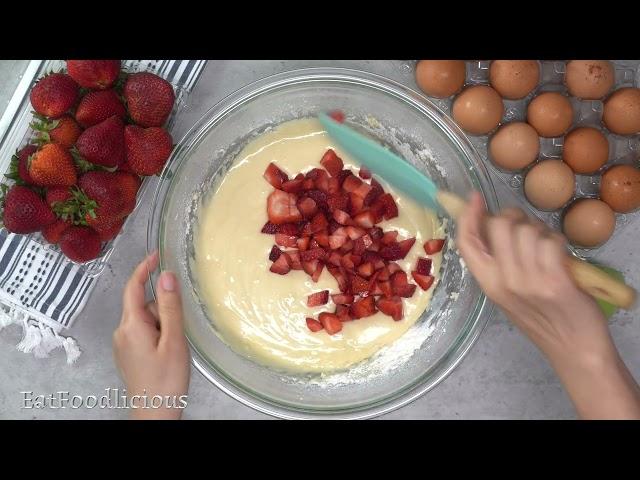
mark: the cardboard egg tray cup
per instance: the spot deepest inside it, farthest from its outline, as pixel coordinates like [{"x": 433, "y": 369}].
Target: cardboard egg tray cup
[{"x": 622, "y": 149}]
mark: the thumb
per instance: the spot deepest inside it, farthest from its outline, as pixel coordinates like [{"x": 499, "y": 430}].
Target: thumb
[{"x": 169, "y": 308}]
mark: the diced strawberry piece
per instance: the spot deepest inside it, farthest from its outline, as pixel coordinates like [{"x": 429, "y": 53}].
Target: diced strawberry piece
[
  {"x": 333, "y": 226},
  {"x": 293, "y": 186},
  {"x": 369, "y": 256},
  {"x": 337, "y": 239},
  {"x": 365, "y": 219},
  {"x": 341, "y": 217},
  {"x": 318, "y": 271},
  {"x": 350, "y": 261},
  {"x": 335, "y": 259},
  {"x": 342, "y": 176},
  {"x": 423, "y": 267},
  {"x": 310, "y": 266},
  {"x": 365, "y": 269},
  {"x": 391, "y": 306},
  {"x": 319, "y": 197},
  {"x": 308, "y": 184},
  {"x": 406, "y": 291},
  {"x": 322, "y": 181},
  {"x": 405, "y": 246},
  {"x": 286, "y": 240},
  {"x": 270, "y": 228},
  {"x": 359, "y": 286},
  {"x": 307, "y": 207},
  {"x": 330, "y": 322},
  {"x": 425, "y": 281},
  {"x": 347, "y": 247},
  {"x": 391, "y": 252},
  {"x": 314, "y": 325},
  {"x": 338, "y": 201},
  {"x": 433, "y": 246},
  {"x": 322, "y": 238},
  {"x": 374, "y": 193},
  {"x": 337, "y": 115},
  {"x": 340, "y": 276},
  {"x": 391, "y": 209},
  {"x": 389, "y": 237},
  {"x": 376, "y": 233},
  {"x": 342, "y": 299},
  {"x": 294, "y": 260},
  {"x": 275, "y": 176},
  {"x": 361, "y": 244},
  {"x": 318, "y": 298},
  {"x": 375, "y": 246},
  {"x": 385, "y": 287},
  {"x": 281, "y": 265},
  {"x": 314, "y": 173},
  {"x": 319, "y": 222},
  {"x": 362, "y": 191},
  {"x": 313, "y": 254},
  {"x": 334, "y": 186},
  {"x": 342, "y": 312},
  {"x": 281, "y": 207},
  {"x": 379, "y": 264},
  {"x": 393, "y": 267},
  {"x": 363, "y": 308},
  {"x": 377, "y": 291},
  {"x": 355, "y": 203},
  {"x": 351, "y": 183},
  {"x": 302, "y": 243},
  {"x": 332, "y": 162},
  {"x": 290, "y": 229},
  {"x": 401, "y": 286},
  {"x": 354, "y": 232},
  {"x": 275, "y": 253},
  {"x": 384, "y": 274},
  {"x": 364, "y": 173}
]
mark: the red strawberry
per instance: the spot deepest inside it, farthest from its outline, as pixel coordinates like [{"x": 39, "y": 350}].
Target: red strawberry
[
  {"x": 80, "y": 244},
  {"x": 281, "y": 265},
  {"x": 96, "y": 74},
  {"x": 374, "y": 193},
  {"x": 147, "y": 149},
  {"x": 365, "y": 219},
  {"x": 269, "y": 228},
  {"x": 433, "y": 246},
  {"x": 113, "y": 192},
  {"x": 23, "y": 163},
  {"x": 351, "y": 183},
  {"x": 364, "y": 173},
  {"x": 363, "y": 308},
  {"x": 391, "y": 306},
  {"x": 330, "y": 322},
  {"x": 332, "y": 163},
  {"x": 337, "y": 115},
  {"x": 307, "y": 207},
  {"x": 57, "y": 194},
  {"x": 54, "y": 94},
  {"x": 108, "y": 228},
  {"x": 53, "y": 232},
  {"x": 318, "y": 298},
  {"x": 275, "y": 253},
  {"x": 313, "y": 324},
  {"x": 281, "y": 207},
  {"x": 341, "y": 217},
  {"x": 423, "y": 267},
  {"x": 338, "y": 201},
  {"x": 103, "y": 144},
  {"x": 366, "y": 269},
  {"x": 293, "y": 186},
  {"x": 52, "y": 166},
  {"x": 24, "y": 211},
  {"x": 64, "y": 131},
  {"x": 149, "y": 99},
  {"x": 96, "y": 107},
  {"x": 425, "y": 281},
  {"x": 275, "y": 176},
  {"x": 390, "y": 206},
  {"x": 342, "y": 312},
  {"x": 286, "y": 240},
  {"x": 342, "y": 299}
]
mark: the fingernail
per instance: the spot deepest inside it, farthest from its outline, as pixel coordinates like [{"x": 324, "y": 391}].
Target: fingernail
[{"x": 168, "y": 281}]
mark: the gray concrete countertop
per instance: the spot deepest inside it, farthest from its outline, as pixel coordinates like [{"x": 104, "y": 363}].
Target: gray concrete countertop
[{"x": 503, "y": 376}]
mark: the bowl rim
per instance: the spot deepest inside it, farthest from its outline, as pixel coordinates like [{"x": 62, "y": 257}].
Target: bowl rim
[{"x": 480, "y": 314}]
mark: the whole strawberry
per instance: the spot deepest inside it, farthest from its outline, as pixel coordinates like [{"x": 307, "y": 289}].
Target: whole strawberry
[
  {"x": 23, "y": 163},
  {"x": 54, "y": 94},
  {"x": 96, "y": 74},
  {"x": 53, "y": 232},
  {"x": 55, "y": 195},
  {"x": 107, "y": 228},
  {"x": 96, "y": 107},
  {"x": 146, "y": 149},
  {"x": 80, "y": 244},
  {"x": 149, "y": 99},
  {"x": 114, "y": 193},
  {"x": 63, "y": 131},
  {"x": 24, "y": 211},
  {"x": 52, "y": 166},
  {"x": 103, "y": 144}
]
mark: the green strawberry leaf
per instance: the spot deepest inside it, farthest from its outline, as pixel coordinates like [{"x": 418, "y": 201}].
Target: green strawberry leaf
[
  {"x": 76, "y": 208},
  {"x": 13, "y": 173}
]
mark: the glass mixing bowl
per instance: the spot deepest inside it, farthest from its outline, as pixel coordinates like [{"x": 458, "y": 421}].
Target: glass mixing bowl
[{"x": 406, "y": 122}]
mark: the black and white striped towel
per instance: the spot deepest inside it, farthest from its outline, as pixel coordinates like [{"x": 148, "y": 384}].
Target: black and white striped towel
[{"x": 39, "y": 288}]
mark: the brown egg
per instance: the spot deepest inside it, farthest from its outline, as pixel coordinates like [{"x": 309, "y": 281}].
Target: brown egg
[
  {"x": 514, "y": 79},
  {"x": 620, "y": 188},
  {"x": 589, "y": 79},
  {"x": 514, "y": 146},
  {"x": 588, "y": 223},
  {"x": 440, "y": 78},
  {"x": 621, "y": 112},
  {"x": 585, "y": 149},
  {"x": 478, "y": 109},
  {"x": 550, "y": 113},
  {"x": 549, "y": 185}
]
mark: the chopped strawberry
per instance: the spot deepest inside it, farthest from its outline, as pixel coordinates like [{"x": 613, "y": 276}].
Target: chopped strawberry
[
  {"x": 342, "y": 312},
  {"x": 309, "y": 266},
  {"x": 314, "y": 173},
  {"x": 314, "y": 325},
  {"x": 362, "y": 191},
  {"x": 391, "y": 306},
  {"x": 275, "y": 176},
  {"x": 322, "y": 238},
  {"x": 364, "y": 173},
  {"x": 338, "y": 201},
  {"x": 294, "y": 260},
  {"x": 333, "y": 226},
  {"x": 341, "y": 217},
  {"x": 366, "y": 269},
  {"x": 363, "y": 308},
  {"x": 308, "y": 184},
  {"x": 270, "y": 228},
  {"x": 281, "y": 207},
  {"x": 385, "y": 288},
  {"x": 347, "y": 247},
  {"x": 330, "y": 322},
  {"x": 389, "y": 237},
  {"x": 405, "y": 246},
  {"x": 401, "y": 286},
  {"x": 406, "y": 291},
  {"x": 375, "y": 246},
  {"x": 286, "y": 240},
  {"x": 337, "y": 239},
  {"x": 335, "y": 259},
  {"x": 290, "y": 229},
  {"x": 340, "y": 276},
  {"x": 318, "y": 271},
  {"x": 334, "y": 185},
  {"x": 356, "y": 203},
  {"x": 337, "y": 115},
  {"x": 293, "y": 186},
  {"x": 350, "y": 261},
  {"x": 354, "y": 232},
  {"x": 280, "y": 266},
  {"x": 365, "y": 219},
  {"x": 423, "y": 267},
  {"x": 275, "y": 253},
  {"x": 374, "y": 193},
  {"x": 318, "y": 298},
  {"x": 342, "y": 299},
  {"x": 425, "y": 281},
  {"x": 303, "y": 243},
  {"x": 332, "y": 162},
  {"x": 393, "y": 267},
  {"x": 319, "y": 197},
  {"x": 319, "y": 222},
  {"x": 342, "y": 176},
  {"x": 391, "y": 252},
  {"x": 369, "y": 256},
  {"x": 433, "y": 246},
  {"x": 376, "y": 233},
  {"x": 313, "y": 254},
  {"x": 351, "y": 183},
  {"x": 359, "y": 286},
  {"x": 361, "y": 244},
  {"x": 322, "y": 181},
  {"x": 391, "y": 209}
]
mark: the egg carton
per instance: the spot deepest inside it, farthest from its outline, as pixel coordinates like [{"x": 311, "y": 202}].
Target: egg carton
[
  {"x": 622, "y": 149},
  {"x": 20, "y": 134}
]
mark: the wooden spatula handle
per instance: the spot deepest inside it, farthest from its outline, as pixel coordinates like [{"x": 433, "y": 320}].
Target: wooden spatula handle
[{"x": 588, "y": 277}]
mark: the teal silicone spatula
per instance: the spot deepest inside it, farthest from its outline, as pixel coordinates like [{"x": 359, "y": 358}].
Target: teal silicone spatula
[{"x": 404, "y": 176}]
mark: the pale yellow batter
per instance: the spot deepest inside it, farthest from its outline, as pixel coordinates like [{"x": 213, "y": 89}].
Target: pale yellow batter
[{"x": 261, "y": 314}]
